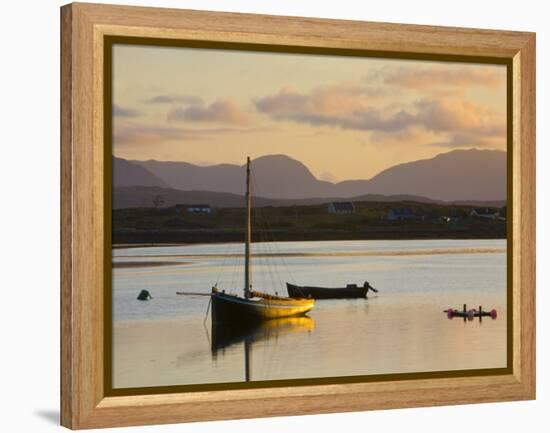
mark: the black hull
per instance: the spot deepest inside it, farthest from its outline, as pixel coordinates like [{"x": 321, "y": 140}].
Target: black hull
[
  {"x": 228, "y": 312},
  {"x": 295, "y": 291},
  {"x": 236, "y": 310}
]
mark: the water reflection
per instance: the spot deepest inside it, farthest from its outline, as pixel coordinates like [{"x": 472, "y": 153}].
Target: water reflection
[
  {"x": 401, "y": 331},
  {"x": 223, "y": 336}
]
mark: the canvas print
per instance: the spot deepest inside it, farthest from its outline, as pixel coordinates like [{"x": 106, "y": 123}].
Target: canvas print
[{"x": 292, "y": 216}]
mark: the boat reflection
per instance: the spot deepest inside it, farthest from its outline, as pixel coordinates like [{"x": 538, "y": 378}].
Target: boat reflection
[{"x": 226, "y": 335}]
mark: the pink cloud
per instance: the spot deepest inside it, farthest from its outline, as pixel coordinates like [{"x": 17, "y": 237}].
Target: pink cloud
[
  {"x": 325, "y": 100},
  {"x": 171, "y": 99},
  {"x": 119, "y": 111},
  {"x": 347, "y": 107},
  {"x": 127, "y": 133},
  {"x": 220, "y": 111},
  {"x": 459, "y": 115},
  {"x": 458, "y": 75}
]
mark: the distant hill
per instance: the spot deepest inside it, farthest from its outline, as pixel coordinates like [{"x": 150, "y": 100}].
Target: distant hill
[
  {"x": 457, "y": 175},
  {"x": 275, "y": 176},
  {"x": 126, "y": 173},
  {"x": 141, "y": 196},
  {"x": 467, "y": 175}
]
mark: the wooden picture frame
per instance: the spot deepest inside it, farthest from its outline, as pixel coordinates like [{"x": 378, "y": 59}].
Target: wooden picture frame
[{"x": 85, "y": 221}]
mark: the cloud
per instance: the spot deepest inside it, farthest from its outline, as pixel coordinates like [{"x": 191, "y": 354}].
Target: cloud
[
  {"x": 459, "y": 116},
  {"x": 136, "y": 134},
  {"x": 335, "y": 106},
  {"x": 119, "y": 111},
  {"x": 454, "y": 75},
  {"x": 131, "y": 133},
  {"x": 367, "y": 120},
  {"x": 416, "y": 136},
  {"x": 284, "y": 104},
  {"x": 410, "y": 137},
  {"x": 174, "y": 99},
  {"x": 322, "y": 101},
  {"x": 471, "y": 140},
  {"x": 341, "y": 107},
  {"x": 220, "y": 111}
]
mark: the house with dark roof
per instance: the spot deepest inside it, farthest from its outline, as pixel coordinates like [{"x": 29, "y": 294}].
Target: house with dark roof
[
  {"x": 401, "y": 214},
  {"x": 194, "y": 208},
  {"x": 341, "y": 207}
]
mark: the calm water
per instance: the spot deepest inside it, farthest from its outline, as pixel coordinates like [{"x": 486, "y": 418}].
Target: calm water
[{"x": 402, "y": 329}]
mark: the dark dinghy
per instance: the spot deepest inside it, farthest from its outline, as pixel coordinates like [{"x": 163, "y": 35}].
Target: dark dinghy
[{"x": 350, "y": 291}]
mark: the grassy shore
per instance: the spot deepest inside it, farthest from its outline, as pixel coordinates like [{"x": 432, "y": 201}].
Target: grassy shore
[{"x": 301, "y": 223}]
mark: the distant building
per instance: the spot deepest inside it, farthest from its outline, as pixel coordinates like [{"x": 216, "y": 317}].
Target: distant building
[
  {"x": 401, "y": 214},
  {"x": 341, "y": 207},
  {"x": 502, "y": 214},
  {"x": 194, "y": 208},
  {"x": 485, "y": 213},
  {"x": 449, "y": 219}
]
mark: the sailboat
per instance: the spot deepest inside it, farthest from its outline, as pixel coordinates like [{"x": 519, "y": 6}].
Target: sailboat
[{"x": 253, "y": 305}]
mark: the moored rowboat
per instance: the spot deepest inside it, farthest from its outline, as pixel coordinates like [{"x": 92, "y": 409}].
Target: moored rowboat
[{"x": 350, "y": 291}]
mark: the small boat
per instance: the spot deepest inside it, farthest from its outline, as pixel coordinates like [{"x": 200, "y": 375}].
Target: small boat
[
  {"x": 254, "y": 305},
  {"x": 470, "y": 314},
  {"x": 350, "y": 291}
]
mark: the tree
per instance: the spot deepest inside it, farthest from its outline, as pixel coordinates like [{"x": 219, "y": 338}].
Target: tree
[{"x": 158, "y": 201}]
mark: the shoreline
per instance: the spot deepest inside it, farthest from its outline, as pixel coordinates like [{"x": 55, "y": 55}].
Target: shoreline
[
  {"x": 209, "y": 236},
  {"x": 424, "y": 252},
  {"x": 128, "y": 245},
  {"x": 145, "y": 264}
]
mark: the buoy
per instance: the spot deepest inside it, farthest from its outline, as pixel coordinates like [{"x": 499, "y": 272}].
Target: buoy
[
  {"x": 144, "y": 295},
  {"x": 470, "y": 314}
]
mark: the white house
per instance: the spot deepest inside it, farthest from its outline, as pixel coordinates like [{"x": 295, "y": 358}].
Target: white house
[{"x": 485, "y": 213}]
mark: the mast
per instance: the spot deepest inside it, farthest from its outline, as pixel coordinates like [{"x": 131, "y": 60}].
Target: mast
[
  {"x": 247, "y": 281},
  {"x": 247, "y": 360}
]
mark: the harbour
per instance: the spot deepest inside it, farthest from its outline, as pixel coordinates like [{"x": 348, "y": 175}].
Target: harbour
[{"x": 169, "y": 340}]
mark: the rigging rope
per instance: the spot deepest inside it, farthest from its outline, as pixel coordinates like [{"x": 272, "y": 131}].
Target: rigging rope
[
  {"x": 271, "y": 244},
  {"x": 269, "y": 241}
]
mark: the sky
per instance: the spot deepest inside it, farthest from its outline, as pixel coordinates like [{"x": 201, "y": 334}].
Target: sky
[{"x": 343, "y": 117}]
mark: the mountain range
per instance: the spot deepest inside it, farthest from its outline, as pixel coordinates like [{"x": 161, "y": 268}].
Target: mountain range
[
  {"x": 126, "y": 173},
  {"x": 460, "y": 175}
]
